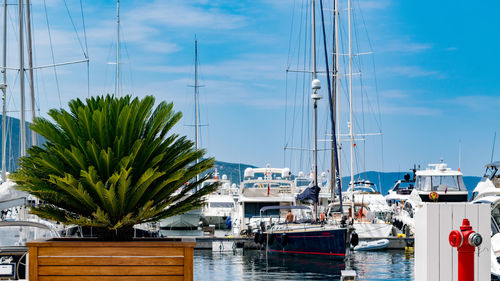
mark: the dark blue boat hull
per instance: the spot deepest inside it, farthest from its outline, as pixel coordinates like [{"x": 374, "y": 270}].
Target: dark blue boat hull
[{"x": 330, "y": 242}]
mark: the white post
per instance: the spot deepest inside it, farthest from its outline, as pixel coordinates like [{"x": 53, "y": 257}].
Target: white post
[{"x": 435, "y": 258}]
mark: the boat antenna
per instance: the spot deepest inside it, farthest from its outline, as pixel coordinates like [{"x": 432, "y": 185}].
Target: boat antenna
[
  {"x": 335, "y": 172},
  {"x": 3, "y": 86},
  {"x": 117, "y": 48},
  {"x": 493, "y": 147}
]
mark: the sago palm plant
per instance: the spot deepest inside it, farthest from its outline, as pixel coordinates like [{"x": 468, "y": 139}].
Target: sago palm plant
[{"x": 112, "y": 163}]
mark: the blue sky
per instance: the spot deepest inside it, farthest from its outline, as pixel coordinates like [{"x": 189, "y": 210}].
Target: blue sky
[{"x": 429, "y": 86}]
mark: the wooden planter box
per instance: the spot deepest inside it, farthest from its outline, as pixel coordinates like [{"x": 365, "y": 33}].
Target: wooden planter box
[{"x": 143, "y": 260}]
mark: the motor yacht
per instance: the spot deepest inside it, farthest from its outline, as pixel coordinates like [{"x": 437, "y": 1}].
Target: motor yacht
[
  {"x": 401, "y": 190},
  {"x": 487, "y": 191},
  {"x": 437, "y": 183},
  {"x": 220, "y": 204},
  {"x": 262, "y": 187}
]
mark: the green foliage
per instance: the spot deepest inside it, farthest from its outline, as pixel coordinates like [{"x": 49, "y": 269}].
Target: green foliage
[{"x": 112, "y": 163}]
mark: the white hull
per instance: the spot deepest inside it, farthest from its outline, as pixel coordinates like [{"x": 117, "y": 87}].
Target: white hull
[{"x": 189, "y": 219}]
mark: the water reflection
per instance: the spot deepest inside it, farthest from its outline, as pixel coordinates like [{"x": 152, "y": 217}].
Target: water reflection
[{"x": 251, "y": 265}]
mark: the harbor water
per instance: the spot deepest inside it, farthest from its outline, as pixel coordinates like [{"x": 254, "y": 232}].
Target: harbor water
[{"x": 239, "y": 264}]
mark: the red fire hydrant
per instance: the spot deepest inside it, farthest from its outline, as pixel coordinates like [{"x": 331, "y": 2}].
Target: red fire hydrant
[{"x": 466, "y": 240}]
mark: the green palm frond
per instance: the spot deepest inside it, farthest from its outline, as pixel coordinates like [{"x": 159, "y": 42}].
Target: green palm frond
[{"x": 112, "y": 163}]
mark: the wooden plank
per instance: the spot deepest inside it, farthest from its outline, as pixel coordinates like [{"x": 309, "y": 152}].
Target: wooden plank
[
  {"x": 61, "y": 242},
  {"x": 445, "y": 249},
  {"x": 108, "y": 251},
  {"x": 188, "y": 264},
  {"x": 110, "y": 278},
  {"x": 99, "y": 260},
  {"x": 484, "y": 228},
  {"x": 109, "y": 270},
  {"x": 33, "y": 263},
  {"x": 458, "y": 215}
]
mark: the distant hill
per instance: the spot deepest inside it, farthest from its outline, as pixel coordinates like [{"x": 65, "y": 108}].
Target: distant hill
[{"x": 234, "y": 171}]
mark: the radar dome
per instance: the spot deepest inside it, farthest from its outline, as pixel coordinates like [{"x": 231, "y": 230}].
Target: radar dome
[{"x": 248, "y": 173}]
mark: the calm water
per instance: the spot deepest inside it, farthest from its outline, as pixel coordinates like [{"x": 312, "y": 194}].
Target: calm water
[{"x": 251, "y": 265}]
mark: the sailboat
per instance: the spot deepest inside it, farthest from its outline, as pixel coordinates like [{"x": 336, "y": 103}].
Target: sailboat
[
  {"x": 191, "y": 219},
  {"x": 310, "y": 238}
]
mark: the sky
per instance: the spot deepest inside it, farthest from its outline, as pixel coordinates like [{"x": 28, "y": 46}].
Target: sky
[{"x": 424, "y": 89}]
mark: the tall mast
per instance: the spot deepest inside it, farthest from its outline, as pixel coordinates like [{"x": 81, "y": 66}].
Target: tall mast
[
  {"x": 30, "y": 69},
  {"x": 4, "y": 92},
  {"x": 335, "y": 179},
  {"x": 314, "y": 97},
  {"x": 336, "y": 83},
  {"x": 21, "y": 79},
  {"x": 316, "y": 85},
  {"x": 196, "y": 115},
  {"x": 117, "y": 48},
  {"x": 351, "y": 132}
]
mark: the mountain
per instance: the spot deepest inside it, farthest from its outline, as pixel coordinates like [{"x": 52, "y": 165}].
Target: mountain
[{"x": 234, "y": 171}]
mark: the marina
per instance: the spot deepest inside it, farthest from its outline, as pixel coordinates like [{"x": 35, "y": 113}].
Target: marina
[{"x": 342, "y": 167}]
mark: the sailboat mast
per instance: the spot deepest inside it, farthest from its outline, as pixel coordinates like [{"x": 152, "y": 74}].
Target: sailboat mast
[
  {"x": 30, "y": 69},
  {"x": 118, "y": 48},
  {"x": 315, "y": 117},
  {"x": 336, "y": 83},
  {"x": 351, "y": 132},
  {"x": 196, "y": 115},
  {"x": 4, "y": 92},
  {"x": 22, "y": 127}
]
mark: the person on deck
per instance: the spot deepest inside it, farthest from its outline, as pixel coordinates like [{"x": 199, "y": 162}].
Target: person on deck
[{"x": 289, "y": 216}]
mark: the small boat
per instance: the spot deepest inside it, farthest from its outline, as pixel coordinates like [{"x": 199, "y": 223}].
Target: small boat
[{"x": 372, "y": 245}]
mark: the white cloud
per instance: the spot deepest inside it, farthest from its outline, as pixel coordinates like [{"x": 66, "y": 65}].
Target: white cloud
[
  {"x": 414, "y": 71},
  {"x": 406, "y": 46},
  {"x": 186, "y": 14}
]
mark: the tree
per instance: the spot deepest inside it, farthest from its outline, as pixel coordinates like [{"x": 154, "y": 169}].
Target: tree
[{"x": 112, "y": 163}]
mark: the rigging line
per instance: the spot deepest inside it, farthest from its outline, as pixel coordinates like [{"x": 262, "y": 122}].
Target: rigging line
[
  {"x": 52, "y": 52},
  {"x": 84, "y": 29},
  {"x": 125, "y": 46},
  {"x": 86, "y": 48},
  {"x": 74, "y": 27},
  {"x": 291, "y": 33}
]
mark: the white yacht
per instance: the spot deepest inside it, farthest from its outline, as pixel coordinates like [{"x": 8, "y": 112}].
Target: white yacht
[
  {"x": 262, "y": 187},
  {"x": 220, "y": 204},
  {"x": 365, "y": 192},
  {"x": 437, "y": 183},
  {"x": 369, "y": 210},
  {"x": 487, "y": 191},
  {"x": 401, "y": 190}
]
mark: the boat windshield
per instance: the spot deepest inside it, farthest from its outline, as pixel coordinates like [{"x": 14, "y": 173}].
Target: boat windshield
[
  {"x": 265, "y": 184},
  {"x": 405, "y": 185},
  {"x": 303, "y": 182},
  {"x": 495, "y": 214},
  {"x": 19, "y": 235},
  {"x": 439, "y": 183},
  {"x": 493, "y": 174}
]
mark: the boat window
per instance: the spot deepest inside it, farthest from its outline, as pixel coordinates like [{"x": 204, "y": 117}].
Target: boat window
[
  {"x": 405, "y": 185},
  {"x": 253, "y": 209},
  {"x": 440, "y": 183},
  {"x": 221, "y": 204},
  {"x": 495, "y": 214},
  {"x": 303, "y": 182}
]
